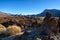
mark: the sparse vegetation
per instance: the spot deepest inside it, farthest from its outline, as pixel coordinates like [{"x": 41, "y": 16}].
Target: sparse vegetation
[{"x": 14, "y": 24}]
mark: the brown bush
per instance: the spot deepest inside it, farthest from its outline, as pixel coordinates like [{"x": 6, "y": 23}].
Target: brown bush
[
  {"x": 2, "y": 29},
  {"x": 13, "y": 30}
]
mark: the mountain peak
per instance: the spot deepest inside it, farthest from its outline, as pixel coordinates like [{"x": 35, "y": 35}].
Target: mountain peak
[{"x": 54, "y": 12}]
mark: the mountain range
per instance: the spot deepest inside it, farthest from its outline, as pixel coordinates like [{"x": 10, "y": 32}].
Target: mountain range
[{"x": 54, "y": 12}]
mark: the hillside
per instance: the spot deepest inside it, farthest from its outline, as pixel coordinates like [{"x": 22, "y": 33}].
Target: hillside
[{"x": 2, "y": 14}]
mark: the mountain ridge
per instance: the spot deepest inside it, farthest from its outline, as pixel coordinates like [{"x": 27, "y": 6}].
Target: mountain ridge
[
  {"x": 54, "y": 12},
  {"x": 2, "y": 14}
]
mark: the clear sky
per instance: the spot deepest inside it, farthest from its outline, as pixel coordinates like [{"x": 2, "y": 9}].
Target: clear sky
[{"x": 28, "y": 7}]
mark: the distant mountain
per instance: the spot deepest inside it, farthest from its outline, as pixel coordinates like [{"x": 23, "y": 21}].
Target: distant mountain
[
  {"x": 54, "y": 12},
  {"x": 2, "y": 14}
]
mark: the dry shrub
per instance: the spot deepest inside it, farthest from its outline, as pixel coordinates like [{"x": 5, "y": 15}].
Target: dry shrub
[
  {"x": 2, "y": 29},
  {"x": 13, "y": 30}
]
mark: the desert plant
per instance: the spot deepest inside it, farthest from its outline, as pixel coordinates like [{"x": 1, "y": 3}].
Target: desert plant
[
  {"x": 13, "y": 30},
  {"x": 2, "y": 29}
]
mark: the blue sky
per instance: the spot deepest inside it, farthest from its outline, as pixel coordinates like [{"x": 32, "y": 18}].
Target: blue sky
[{"x": 28, "y": 7}]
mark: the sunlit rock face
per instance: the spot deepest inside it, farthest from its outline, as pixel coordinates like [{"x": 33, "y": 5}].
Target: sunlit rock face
[
  {"x": 14, "y": 29},
  {"x": 2, "y": 29}
]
